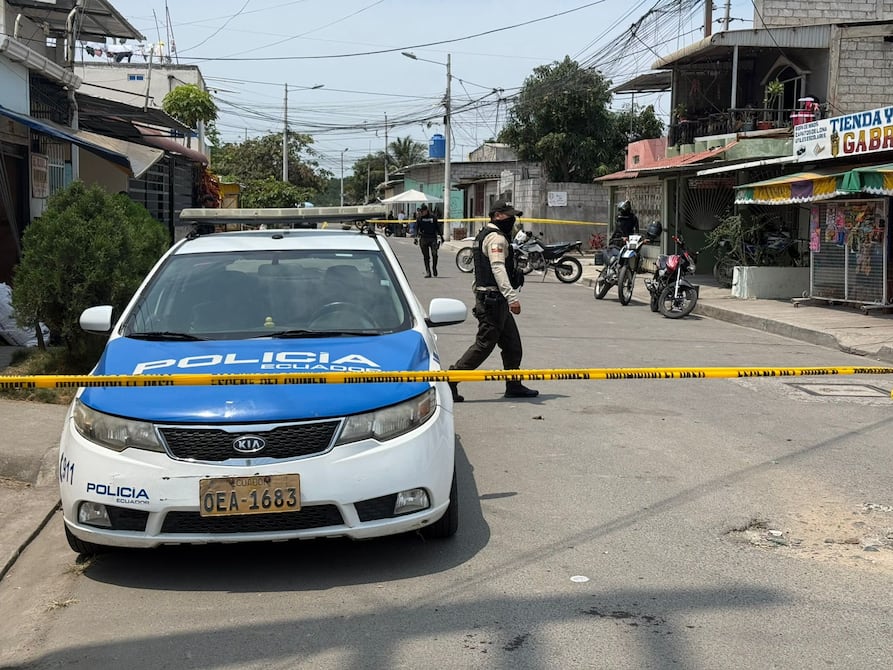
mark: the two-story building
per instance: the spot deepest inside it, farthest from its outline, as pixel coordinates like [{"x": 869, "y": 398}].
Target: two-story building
[{"x": 738, "y": 97}]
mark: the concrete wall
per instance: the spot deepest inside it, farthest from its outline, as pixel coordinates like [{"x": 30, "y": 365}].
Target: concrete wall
[
  {"x": 775, "y": 13},
  {"x": 587, "y": 209},
  {"x": 14, "y": 90},
  {"x": 95, "y": 170},
  {"x": 861, "y": 68},
  {"x": 768, "y": 283}
]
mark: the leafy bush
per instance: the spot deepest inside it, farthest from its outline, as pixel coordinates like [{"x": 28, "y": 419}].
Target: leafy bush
[{"x": 88, "y": 248}]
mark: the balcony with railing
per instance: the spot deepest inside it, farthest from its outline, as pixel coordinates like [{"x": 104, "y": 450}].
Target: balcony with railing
[{"x": 741, "y": 120}]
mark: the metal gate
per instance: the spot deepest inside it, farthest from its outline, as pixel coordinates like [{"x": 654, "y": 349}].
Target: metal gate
[{"x": 849, "y": 253}]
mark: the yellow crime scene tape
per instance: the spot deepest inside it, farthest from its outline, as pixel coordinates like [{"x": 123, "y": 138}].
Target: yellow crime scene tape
[
  {"x": 484, "y": 219},
  {"x": 391, "y": 377}
]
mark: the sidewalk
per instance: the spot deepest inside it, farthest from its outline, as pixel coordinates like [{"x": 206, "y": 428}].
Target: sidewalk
[{"x": 30, "y": 431}]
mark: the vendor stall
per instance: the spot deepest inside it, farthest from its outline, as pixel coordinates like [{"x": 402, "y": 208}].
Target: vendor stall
[{"x": 848, "y": 242}]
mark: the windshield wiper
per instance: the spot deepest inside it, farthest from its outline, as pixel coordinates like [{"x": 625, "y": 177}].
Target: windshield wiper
[
  {"x": 301, "y": 332},
  {"x": 162, "y": 335}
]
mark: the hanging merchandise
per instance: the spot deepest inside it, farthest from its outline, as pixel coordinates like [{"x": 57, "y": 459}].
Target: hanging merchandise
[
  {"x": 815, "y": 234},
  {"x": 852, "y": 264}
]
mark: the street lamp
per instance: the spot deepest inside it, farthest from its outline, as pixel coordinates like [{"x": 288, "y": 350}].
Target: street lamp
[
  {"x": 342, "y": 175},
  {"x": 446, "y": 131},
  {"x": 285, "y": 127}
]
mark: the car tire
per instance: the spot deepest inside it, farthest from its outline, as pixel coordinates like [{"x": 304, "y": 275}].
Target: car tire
[
  {"x": 447, "y": 525},
  {"x": 80, "y": 546}
]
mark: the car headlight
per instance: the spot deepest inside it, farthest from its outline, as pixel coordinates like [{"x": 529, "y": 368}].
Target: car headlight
[
  {"x": 115, "y": 432},
  {"x": 388, "y": 423}
]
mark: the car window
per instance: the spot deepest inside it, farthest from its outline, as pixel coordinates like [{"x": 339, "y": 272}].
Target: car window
[{"x": 253, "y": 294}]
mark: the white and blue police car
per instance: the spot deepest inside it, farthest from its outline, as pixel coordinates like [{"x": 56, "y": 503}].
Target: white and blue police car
[{"x": 153, "y": 465}]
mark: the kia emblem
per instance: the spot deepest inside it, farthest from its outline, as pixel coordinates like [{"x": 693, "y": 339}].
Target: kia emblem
[{"x": 249, "y": 444}]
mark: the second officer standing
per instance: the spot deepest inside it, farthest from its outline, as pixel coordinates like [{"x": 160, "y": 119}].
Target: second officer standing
[{"x": 429, "y": 236}]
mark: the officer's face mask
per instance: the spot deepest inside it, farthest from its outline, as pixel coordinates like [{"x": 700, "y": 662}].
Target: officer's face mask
[{"x": 505, "y": 225}]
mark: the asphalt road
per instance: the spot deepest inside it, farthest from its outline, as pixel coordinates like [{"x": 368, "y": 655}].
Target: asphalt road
[{"x": 605, "y": 524}]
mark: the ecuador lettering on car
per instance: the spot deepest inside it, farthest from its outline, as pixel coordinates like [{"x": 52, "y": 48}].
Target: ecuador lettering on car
[{"x": 397, "y": 351}]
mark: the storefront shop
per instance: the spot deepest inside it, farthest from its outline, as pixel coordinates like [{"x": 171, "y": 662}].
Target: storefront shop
[{"x": 849, "y": 247}]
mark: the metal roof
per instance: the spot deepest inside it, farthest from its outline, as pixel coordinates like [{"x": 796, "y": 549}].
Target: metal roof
[
  {"x": 100, "y": 110},
  {"x": 718, "y": 44},
  {"x": 650, "y": 82},
  {"x": 96, "y": 19}
]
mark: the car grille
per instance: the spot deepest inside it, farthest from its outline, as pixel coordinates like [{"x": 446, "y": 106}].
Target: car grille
[
  {"x": 315, "y": 516},
  {"x": 212, "y": 444}
]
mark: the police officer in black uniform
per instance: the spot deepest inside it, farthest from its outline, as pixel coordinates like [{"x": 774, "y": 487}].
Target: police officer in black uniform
[
  {"x": 429, "y": 236},
  {"x": 496, "y": 284}
]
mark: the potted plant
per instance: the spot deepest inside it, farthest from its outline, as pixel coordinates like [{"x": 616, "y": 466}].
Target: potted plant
[
  {"x": 679, "y": 112},
  {"x": 597, "y": 243},
  {"x": 774, "y": 90}
]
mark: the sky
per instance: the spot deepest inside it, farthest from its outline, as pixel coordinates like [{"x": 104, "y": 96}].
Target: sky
[{"x": 348, "y": 83}]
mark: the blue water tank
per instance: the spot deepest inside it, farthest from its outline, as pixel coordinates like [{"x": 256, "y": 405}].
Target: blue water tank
[{"x": 437, "y": 147}]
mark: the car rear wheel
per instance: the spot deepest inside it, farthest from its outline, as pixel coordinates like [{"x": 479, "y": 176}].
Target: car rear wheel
[{"x": 448, "y": 524}]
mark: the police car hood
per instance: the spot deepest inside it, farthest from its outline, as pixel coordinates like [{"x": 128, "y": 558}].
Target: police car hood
[{"x": 246, "y": 403}]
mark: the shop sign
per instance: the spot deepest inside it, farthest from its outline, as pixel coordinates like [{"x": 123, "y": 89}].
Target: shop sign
[
  {"x": 40, "y": 181},
  {"x": 844, "y": 136},
  {"x": 557, "y": 198}
]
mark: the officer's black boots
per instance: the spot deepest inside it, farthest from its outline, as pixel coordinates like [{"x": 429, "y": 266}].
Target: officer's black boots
[{"x": 518, "y": 390}]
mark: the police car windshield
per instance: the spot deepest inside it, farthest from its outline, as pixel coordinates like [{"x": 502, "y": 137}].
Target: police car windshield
[{"x": 250, "y": 294}]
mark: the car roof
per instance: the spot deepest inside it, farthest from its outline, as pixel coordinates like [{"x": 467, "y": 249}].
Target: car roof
[{"x": 286, "y": 240}]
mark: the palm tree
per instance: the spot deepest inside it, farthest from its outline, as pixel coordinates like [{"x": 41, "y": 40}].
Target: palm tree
[{"x": 406, "y": 151}]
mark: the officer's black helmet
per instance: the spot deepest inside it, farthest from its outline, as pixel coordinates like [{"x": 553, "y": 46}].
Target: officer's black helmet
[{"x": 625, "y": 207}]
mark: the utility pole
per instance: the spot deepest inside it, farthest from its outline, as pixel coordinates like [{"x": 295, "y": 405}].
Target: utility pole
[
  {"x": 285, "y": 140},
  {"x": 385, "y": 148},
  {"x": 342, "y": 176},
  {"x": 447, "y": 146}
]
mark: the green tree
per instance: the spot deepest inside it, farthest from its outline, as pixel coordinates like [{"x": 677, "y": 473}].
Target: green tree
[
  {"x": 562, "y": 119},
  {"x": 88, "y": 248},
  {"x": 405, "y": 151},
  {"x": 272, "y": 192},
  {"x": 366, "y": 171},
  {"x": 190, "y": 105},
  {"x": 260, "y": 158}
]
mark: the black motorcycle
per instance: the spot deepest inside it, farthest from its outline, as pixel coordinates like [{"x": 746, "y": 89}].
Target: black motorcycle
[
  {"x": 531, "y": 254},
  {"x": 671, "y": 293}
]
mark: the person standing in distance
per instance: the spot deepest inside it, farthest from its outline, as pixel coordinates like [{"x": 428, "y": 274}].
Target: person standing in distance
[
  {"x": 496, "y": 284},
  {"x": 429, "y": 236}
]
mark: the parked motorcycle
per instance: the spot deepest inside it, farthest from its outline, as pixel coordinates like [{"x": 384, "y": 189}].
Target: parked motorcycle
[
  {"x": 671, "y": 293},
  {"x": 531, "y": 254},
  {"x": 621, "y": 265},
  {"x": 465, "y": 257}
]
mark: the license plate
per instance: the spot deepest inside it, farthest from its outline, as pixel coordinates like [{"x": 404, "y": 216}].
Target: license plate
[{"x": 254, "y": 494}]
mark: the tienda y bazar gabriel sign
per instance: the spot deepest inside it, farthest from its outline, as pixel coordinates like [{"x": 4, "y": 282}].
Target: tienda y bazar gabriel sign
[{"x": 842, "y": 136}]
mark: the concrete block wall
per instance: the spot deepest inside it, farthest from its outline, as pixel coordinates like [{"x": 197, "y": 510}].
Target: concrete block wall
[
  {"x": 864, "y": 70},
  {"x": 777, "y": 13},
  {"x": 587, "y": 207}
]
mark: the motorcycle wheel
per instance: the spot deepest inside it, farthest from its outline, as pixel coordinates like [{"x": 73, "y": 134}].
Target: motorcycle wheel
[
  {"x": 568, "y": 269},
  {"x": 724, "y": 271},
  {"x": 465, "y": 259},
  {"x": 625, "y": 285},
  {"x": 675, "y": 307},
  {"x": 602, "y": 285}
]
